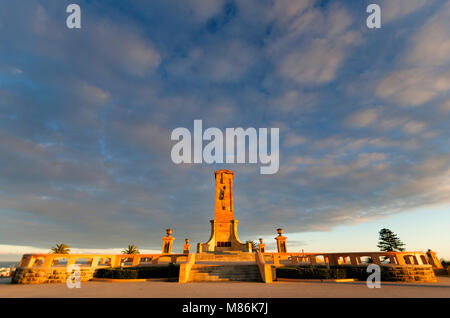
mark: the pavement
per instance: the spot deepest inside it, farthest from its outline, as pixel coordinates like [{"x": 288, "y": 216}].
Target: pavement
[{"x": 164, "y": 289}]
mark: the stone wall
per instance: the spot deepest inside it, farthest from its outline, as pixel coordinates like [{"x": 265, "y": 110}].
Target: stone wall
[
  {"x": 50, "y": 275},
  {"x": 409, "y": 273},
  {"x": 389, "y": 273}
]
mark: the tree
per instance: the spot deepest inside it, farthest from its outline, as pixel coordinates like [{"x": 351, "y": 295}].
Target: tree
[
  {"x": 389, "y": 242},
  {"x": 131, "y": 249},
  {"x": 60, "y": 249}
]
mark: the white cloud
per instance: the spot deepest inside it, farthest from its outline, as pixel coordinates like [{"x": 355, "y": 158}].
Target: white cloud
[
  {"x": 365, "y": 159},
  {"x": 286, "y": 9},
  {"x": 363, "y": 118},
  {"x": 95, "y": 94},
  {"x": 392, "y": 122},
  {"x": 21, "y": 249},
  {"x": 413, "y": 127},
  {"x": 445, "y": 106},
  {"x": 319, "y": 61},
  {"x": 412, "y": 87},
  {"x": 395, "y": 9},
  {"x": 293, "y": 139},
  {"x": 125, "y": 47},
  {"x": 293, "y": 100},
  {"x": 221, "y": 61},
  {"x": 428, "y": 58},
  {"x": 431, "y": 45},
  {"x": 310, "y": 46},
  {"x": 203, "y": 10}
]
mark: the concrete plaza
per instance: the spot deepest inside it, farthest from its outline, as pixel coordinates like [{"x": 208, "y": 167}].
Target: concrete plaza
[{"x": 164, "y": 289}]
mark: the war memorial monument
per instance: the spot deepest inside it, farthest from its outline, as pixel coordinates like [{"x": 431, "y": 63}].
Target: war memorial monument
[{"x": 224, "y": 257}]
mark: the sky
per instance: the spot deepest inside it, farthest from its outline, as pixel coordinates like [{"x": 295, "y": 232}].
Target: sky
[{"x": 86, "y": 117}]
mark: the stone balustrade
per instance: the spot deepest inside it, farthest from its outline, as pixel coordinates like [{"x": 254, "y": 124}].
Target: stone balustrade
[
  {"x": 354, "y": 258},
  {"x": 53, "y": 268},
  {"x": 264, "y": 269},
  {"x": 97, "y": 260}
]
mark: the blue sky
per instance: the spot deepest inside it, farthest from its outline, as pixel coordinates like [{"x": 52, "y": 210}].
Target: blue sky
[{"x": 86, "y": 117}]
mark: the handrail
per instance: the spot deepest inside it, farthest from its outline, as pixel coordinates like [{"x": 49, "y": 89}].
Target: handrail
[
  {"x": 264, "y": 269},
  {"x": 185, "y": 269},
  {"x": 93, "y": 260},
  {"x": 354, "y": 258},
  {"x": 116, "y": 260}
]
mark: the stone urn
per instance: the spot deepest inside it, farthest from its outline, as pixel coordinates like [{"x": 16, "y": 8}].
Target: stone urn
[
  {"x": 169, "y": 232},
  {"x": 280, "y": 231}
]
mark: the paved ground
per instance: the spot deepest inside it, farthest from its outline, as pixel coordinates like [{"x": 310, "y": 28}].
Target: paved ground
[{"x": 233, "y": 289}]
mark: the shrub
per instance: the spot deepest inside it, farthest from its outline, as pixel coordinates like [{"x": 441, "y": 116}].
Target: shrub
[
  {"x": 387, "y": 273},
  {"x": 170, "y": 272},
  {"x": 311, "y": 272},
  {"x": 116, "y": 273}
]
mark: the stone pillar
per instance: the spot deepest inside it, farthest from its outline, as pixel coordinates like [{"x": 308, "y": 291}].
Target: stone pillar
[
  {"x": 136, "y": 260},
  {"x": 167, "y": 242},
  {"x": 48, "y": 261},
  {"x": 375, "y": 259},
  {"x": 186, "y": 246},
  {"x": 281, "y": 242},
  {"x": 433, "y": 259},
  {"x": 261, "y": 246},
  {"x": 95, "y": 261},
  {"x": 276, "y": 260},
  {"x": 393, "y": 260},
  {"x": 354, "y": 260},
  {"x": 400, "y": 260},
  {"x": 199, "y": 247},
  {"x": 333, "y": 260}
]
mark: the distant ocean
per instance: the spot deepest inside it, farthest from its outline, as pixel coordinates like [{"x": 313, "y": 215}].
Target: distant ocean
[{"x": 8, "y": 264}]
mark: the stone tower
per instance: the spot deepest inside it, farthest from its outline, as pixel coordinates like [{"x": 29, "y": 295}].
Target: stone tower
[{"x": 224, "y": 227}]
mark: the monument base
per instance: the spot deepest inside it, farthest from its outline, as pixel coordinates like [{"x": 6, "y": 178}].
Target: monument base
[{"x": 224, "y": 238}]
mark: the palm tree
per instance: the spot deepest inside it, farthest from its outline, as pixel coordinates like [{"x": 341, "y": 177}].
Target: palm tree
[
  {"x": 131, "y": 249},
  {"x": 60, "y": 249}
]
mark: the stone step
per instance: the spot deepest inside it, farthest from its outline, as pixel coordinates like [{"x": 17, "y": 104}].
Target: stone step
[
  {"x": 228, "y": 257},
  {"x": 249, "y": 275},
  {"x": 224, "y": 273}
]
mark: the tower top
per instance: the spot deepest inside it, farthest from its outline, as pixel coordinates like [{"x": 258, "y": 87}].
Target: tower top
[
  {"x": 224, "y": 195},
  {"x": 223, "y": 171}
]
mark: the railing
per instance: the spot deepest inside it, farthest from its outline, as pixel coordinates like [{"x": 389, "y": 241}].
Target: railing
[
  {"x": 380, "y": 258},
  {"x": 185, "y": 269},
  {"x": 97, "y": 260},
  {"x": 264, "y": 269},
  {"x": 263, "y": 260}
]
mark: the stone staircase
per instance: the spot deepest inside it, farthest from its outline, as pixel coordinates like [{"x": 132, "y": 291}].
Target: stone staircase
[
  {"x": 231, "y": 257},
  {"x": 224, "y": 273}
]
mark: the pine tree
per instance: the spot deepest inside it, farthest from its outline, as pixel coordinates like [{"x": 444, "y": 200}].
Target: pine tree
[{"x": 389, "y": 242}]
